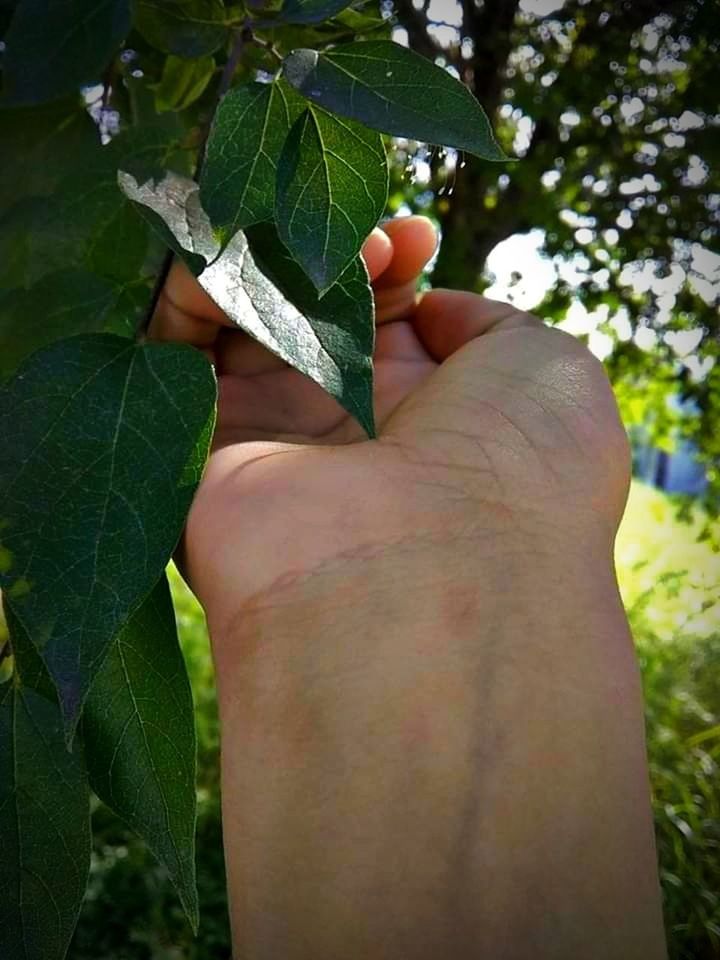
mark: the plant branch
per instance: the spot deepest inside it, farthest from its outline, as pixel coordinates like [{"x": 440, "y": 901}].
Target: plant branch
[
  {"x": 416, "y": 23},
  {"x": 266, "y": 45},
  {"x": 240, "y": 37},
  {"x": 5, "y": 651}
]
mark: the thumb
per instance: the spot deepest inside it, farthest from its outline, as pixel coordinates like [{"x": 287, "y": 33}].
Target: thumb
[{"x": 445, "y": 320}]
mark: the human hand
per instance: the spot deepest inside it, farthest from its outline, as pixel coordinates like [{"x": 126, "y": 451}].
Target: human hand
[
  {"x": 487, "y": 419},
  {"x": 431, "y": 718}
]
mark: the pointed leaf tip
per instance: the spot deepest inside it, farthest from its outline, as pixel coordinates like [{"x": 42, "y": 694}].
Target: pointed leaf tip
[
  {"x": 393, "y": 89},
  {"x": 332, "y": 188},
  {"x": 139, "y": 731}
]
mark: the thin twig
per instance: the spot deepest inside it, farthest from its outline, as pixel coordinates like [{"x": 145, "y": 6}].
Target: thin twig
[
  {"x": 266, "y": 45},
  {"x": 108, "y": 82},
  {"x": 158, "y": 287},
  {"x": 241, "y": 36}
]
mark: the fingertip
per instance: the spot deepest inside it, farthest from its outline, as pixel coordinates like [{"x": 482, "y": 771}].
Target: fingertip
[
  {"x": 419, "y": 225},
  {"x": 377, "y": 252},
  {"x": 184, "y": 291},
  {"x": 415, "y": 241}
]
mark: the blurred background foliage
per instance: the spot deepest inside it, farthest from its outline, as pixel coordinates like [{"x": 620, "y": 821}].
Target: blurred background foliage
[
  {"x": 613, "y": 111},
  {"x": 607, "y": 225}
]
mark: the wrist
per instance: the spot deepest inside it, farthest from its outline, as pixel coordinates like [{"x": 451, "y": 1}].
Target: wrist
[
  {"x": 374, "y": 598},
  {"x": 417, "y": 719}
]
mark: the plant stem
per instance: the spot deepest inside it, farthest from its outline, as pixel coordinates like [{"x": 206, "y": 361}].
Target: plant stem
[
  {"x": 266, "y": 45},
  {"x": 240, "y": 36}
]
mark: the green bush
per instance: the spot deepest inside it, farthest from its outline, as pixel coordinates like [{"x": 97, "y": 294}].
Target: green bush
[
  {"x": 681, "y": 681},
  {"x": 669, "y": 581},
  {"x": 131, "y": 911}
]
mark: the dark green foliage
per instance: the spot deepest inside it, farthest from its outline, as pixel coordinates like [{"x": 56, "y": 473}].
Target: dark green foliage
[
  {"x": 251, "y": 124},
  {"x": 61, "y": 303},
  {"x": 98, "y": 460},
  {"x": 48, "y": 141},
  {"x": 190, "y": 29},
  {"x": 7, "y": 8},
  {"x": 131, "y": 910},
  {"x": 44, "y": 815},
  {"x": 183, "y": 82},
  {"x": 138, "y": 728},
  {"x": 311, "y": 11},
  {"x": 55, "y": 45},
  {"x": 332, "y": 189},
  {"x": 76, "y": 217}
]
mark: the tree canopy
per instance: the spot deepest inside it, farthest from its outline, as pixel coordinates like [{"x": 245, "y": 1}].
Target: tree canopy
[{"x": 612, "y": 110}]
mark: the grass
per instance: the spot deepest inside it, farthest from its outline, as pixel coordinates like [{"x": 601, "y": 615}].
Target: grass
[{"x": 671, "y": 588}]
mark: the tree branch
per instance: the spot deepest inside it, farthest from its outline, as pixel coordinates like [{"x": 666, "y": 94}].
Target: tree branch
[{"x": 416, "y": 22}]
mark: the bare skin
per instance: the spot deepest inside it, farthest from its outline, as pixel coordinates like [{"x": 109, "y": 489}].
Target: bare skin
[{"x": 432, "y": 721}]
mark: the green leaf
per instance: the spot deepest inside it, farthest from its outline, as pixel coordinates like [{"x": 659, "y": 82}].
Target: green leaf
[
  {"x": 102, "y": 442},
  {"x": 139, "y": 732},
  {"x": 193, "y": 28},
  {"x": 7, "y": 9},
  {"x": 311, "y": 11},
  {"x": 87, "y": 222},
  {"x": 339, "y": 328},
  {"x": 393, "y": 89},
  {"x": 54, "y": 46},
  {"x": 116, "y": 246},
  {"x": 332, "y": 187},
  {"x": 237, "y": 186},
  {"x": 330, "y": 340},
  {"x": 44, "y": 820},
  {"x": 362, "y": 22},
  {"x": 48, "y": 143},
  {"x": 31, "y": 245},
  {"x": 172, "y": 208},
  {"x": 59, "y": 305},
  {"x": 183, "y": 82}
]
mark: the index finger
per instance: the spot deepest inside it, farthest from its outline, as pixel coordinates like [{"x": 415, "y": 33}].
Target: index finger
[{"x": 185, "y": 313}]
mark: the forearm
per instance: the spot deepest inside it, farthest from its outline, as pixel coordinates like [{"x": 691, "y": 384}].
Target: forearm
[{"x": 438, "y": 760}]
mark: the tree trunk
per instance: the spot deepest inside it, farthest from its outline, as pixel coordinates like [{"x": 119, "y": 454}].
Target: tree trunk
[{"x": 469, "y": 229}]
